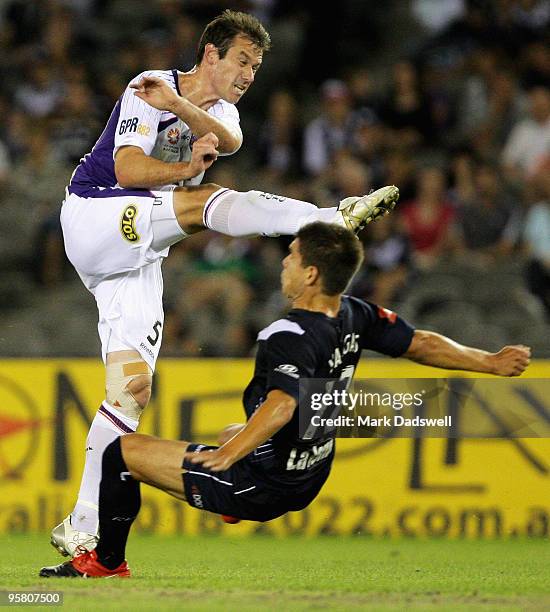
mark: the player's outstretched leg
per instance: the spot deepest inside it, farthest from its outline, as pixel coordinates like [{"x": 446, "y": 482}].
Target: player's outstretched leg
[
  {"x": 145, "y": 459},
  {"x": 128, "y": 391},
  {"x": 236, "y": 213},
  {"x": 119, "y": 503}
]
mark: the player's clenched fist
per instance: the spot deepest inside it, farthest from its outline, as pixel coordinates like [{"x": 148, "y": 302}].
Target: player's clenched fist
[
  {"x": 156, "y": 92},
  {"x": 215, "y": 460},
  {"x": 204, "y": 153},
  {"x": 512, "y": 360}
]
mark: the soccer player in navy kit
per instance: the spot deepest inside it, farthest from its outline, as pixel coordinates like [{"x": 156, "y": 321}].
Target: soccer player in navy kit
[{"x": 264, "y": 469}]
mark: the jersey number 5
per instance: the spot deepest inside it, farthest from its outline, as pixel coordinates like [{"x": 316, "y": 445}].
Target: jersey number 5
[{"x": 156, "y": 329}]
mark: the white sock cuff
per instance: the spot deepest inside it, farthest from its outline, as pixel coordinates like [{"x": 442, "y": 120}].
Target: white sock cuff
[
  {"x": 211, "y": 205},
  {"x": 118, "y": 421},
  {"x": 87, "y": 504}
]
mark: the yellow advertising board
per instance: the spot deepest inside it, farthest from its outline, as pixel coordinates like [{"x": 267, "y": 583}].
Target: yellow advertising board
[{"x": 395, "y": 487}]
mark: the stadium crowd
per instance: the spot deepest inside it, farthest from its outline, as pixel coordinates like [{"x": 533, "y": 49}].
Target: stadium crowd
[{"x": 458, "y": 116}]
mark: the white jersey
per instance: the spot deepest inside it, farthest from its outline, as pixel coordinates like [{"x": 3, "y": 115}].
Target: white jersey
[
  {"x": 109, "y": 231},
  {"x": 160, "y": 134}
]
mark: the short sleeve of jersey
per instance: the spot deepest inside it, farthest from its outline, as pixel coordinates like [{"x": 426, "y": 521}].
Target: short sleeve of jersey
[
  {"x": 289, "y": 358},
  {"x": 138, "y": 121},
  {"x": 229, "y": 115},
  {"x": 384, "y": 332}
]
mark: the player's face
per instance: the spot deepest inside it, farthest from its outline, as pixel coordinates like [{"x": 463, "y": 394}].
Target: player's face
[
  {"x": 235, "y": 73},
  {"x": 293, "y": 274}
]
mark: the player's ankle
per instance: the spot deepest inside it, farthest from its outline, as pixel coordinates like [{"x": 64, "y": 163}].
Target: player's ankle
[{"x": 110, "y": 560}]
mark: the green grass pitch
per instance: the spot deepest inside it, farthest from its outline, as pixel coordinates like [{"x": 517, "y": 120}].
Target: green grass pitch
[{"x": 265, "y": 573}]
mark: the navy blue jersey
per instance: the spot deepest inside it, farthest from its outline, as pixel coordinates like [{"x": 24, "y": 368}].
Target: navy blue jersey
[{"x": 308, "y": 344}]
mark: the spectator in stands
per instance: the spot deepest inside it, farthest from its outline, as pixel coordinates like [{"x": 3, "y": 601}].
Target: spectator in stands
[
  {"x": 31, "y": 203},
  {"x": 399, "y": 170},
  {"x": 346, "y": 173},
  {"x": 436, "y": 15},
  {"x": 38, "y": 179},
  {"x": 370, "y": 143},
  {"x": 404, "y": 110},
  {"x": 528, "y": 146},
  {"x": 387, "y": 266},
  {"x": 535, "y": 69},
  {"x": 5, "y": 164},
  {"x": 75, "y": 126},
  {"x": 428, "y": 219},
  {"x": 42, "y": 91},
  {"x": 58, "y": 34},
  {"x": 332, "y": 131},
  {"x": 474, "y": 89},
  {"x": 185, "y": 33},
  {"x": 536, "y": 236},
  {"x": 216, "y": 298},
  {"x": 360, "y": 82},
  {"x": 491, "y": 100},
  {"x": 462, "y": 178},
  {"x": 280, "y": 138},
  {"x": 488, "y": 223},
  {"x": 439, "y": 85}
]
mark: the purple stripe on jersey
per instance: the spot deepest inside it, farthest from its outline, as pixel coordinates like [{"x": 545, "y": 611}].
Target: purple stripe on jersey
[
  {"x": 97, "y": 168},
  {"x": 208, "y": 206},
  {"x": 164, "y": 124},
  {"x": 114, "y": 420},
  {"x": 176, "y": 81},
  {"x": 86, "y": 191}
]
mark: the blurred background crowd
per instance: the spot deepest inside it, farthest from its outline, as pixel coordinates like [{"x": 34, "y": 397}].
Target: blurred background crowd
[{"x": 448, "y": 99}]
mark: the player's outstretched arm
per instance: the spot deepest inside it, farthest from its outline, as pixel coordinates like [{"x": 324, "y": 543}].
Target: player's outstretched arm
[
  {"x": 429, "y": 348},
  {"x": 157, "y": 93},
  {"x": 134, "y": 169},
  {"x": 272, "y": 415}
]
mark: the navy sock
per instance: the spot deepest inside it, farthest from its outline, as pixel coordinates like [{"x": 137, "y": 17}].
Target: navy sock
[{"x": 119, "y": 504}]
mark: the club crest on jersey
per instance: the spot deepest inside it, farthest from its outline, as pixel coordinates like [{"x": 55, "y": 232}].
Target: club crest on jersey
[
  {"x": 288, "y": 369},
  {"x": 128, "y": 223},
  {"x": 173, "y": 136}
]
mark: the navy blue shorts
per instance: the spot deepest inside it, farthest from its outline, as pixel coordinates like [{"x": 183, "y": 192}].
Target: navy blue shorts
[{"x": 234, "y": 492}]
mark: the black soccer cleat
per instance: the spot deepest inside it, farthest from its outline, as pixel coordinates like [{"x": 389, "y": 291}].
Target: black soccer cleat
[{"x": 63, "y": 570}]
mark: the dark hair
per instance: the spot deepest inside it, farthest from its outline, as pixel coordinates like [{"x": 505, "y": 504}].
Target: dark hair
[
  {"x": 334, "y": 251},
  {"x": 222, "y": 30}
]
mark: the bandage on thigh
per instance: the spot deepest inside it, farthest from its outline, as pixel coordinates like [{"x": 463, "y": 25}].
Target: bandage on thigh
[{"x": 118, "y": 377}]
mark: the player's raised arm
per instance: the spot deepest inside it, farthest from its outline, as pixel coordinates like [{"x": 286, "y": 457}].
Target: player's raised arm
[
  {"x": 135, "y": 137},
  {"x": 158, "y": 94},
  {"x": 430, "y": 348},
  {"x": 271, "y": 416},
  {"x": 133, "y": 168}
]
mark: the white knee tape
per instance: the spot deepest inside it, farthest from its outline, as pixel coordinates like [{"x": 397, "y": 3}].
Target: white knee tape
[{"x": 118, "y": 377}]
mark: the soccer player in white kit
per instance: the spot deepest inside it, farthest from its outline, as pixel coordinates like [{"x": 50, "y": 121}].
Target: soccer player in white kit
[{"x": 138, "y": 192}]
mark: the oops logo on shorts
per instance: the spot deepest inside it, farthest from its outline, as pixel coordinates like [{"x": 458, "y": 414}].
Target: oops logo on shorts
[{"x": 128, "y": 223}]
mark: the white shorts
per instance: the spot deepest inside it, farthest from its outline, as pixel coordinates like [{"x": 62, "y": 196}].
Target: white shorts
[{"x": 116, "y": 242}]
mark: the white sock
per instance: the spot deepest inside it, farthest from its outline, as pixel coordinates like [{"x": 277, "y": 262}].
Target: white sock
[
  {"x": 108, "y": 424},
  {"x": 237, "y": 213}
]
